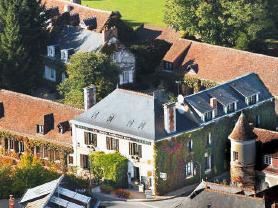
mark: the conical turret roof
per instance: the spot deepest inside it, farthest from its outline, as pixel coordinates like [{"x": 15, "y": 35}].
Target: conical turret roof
[{"x": 242, "y": 130}]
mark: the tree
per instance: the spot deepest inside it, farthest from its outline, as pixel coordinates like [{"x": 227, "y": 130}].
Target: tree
[
  {"x": 85, "y": 69},
  {"x": 21, "y": 43},
  {"x": 222, "y": 22}
]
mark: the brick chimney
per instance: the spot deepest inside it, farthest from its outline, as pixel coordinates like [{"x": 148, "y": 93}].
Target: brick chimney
[
  {"x": 213, "y": 104},
  {"x": 170, "y": 117},
  {"x": 89, "y": 96},
  {"x": 11, "y": 202}
]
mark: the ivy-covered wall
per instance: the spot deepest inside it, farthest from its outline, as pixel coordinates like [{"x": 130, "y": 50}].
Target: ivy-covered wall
[{"x": 172, "y": 155}]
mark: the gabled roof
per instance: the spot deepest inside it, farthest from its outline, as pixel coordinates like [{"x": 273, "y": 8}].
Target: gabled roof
[
  {"x": 242, "y": 130},
  {"x": 264, "y": 135},
  {"x": 83, "y": 11},
  {"x": 23, "y": 112},
  {"x": 176, "y": 51},
  {"x": 225, "y": 94},
  {"x": 128, "y": 112},
  {"x": 81, "y": 40}
]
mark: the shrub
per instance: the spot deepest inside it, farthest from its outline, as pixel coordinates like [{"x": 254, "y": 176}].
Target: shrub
[
  {"x": 110, "y": 167},
  {"x": 105, "y": 188},
  {"x": 121, "y": 193}
]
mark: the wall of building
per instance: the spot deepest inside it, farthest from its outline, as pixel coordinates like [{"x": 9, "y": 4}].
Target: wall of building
[
  {"x": 145, "y": 163},
  {"x": 172, "y": 155}
]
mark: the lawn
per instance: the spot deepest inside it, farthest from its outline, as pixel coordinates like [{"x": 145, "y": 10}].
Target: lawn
[{"x": 133, "y": 11}]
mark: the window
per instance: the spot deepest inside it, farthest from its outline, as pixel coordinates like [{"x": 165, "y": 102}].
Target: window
[
  {"x": 168, "y": 66},
  {"x": 258, "y": 120},
  {"x": 126, "y": 77},
  {"x": 112, "y": 144},
  {"x": 267, "y": 160},
  {"x": 51, "y": 51},
  {"x": 52, "y": 73},
  {"x": 135, "y": 149},
  {"x": 189, "y": 169},
  {"x": 208, "y": 116},
  {"x": 207, "y": 162},
  {"x": 235, "y": 156},
  {"x": 209, "y": 140},
  {"x": 231, "y": 108},
  {"x": 70, "y": 159},
  {"x": 190, "y": 145},
  {"x": 49, "y": 73},
  {"x": 251, "y": 100},
  {"x": 56, "y": 155},
  {"x": 90, "y": 138},
  {"x": 21, "y": 146},
  {"x": 11, "y": 141},
  {"x": 45, "y": 153},
  {"x": 84, "y": 161},
  {"x": 40, "y": 129}
]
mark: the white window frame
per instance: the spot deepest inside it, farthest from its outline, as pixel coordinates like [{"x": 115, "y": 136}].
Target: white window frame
[
  {"x": 209, "y": 139},
  {"x": 40, "y": 129},
  {"x": 189, "y": 169},
  {"x": 125, "y": 77},
  {"x": 51, "y": 51},
  {"x": 208, "y": 169},
  {"x": 190, "y": 145},
  {"x": 235, "y": 154},
  {"x": 267, "y": 160}
]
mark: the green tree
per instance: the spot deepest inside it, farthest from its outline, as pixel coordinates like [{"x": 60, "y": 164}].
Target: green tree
[
  {"x": 21, "y": 43},
  {"x": 222, "y": 22},
  {"x": 85, "y": 69}
]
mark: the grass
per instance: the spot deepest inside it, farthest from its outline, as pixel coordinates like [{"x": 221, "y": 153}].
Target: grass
[{"x": 133, "y": 11}]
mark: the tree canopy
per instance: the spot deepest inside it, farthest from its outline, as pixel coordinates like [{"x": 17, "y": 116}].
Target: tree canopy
[
  {"x": 22, "y": 40},
  {"x": 85, "y": 69},
  {"x": 222, "y": 22}
]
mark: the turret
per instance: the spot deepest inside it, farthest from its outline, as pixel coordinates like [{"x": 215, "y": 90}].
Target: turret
[{"x": 243, "y": 154}]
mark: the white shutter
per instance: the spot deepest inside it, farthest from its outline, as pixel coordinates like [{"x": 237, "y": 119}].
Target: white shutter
[
  {"x": 121, "y": 79},
  {"x": 130, "y": 77}
]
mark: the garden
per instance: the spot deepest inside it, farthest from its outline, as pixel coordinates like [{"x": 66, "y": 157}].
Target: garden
[{"x": 132, "y": 11}]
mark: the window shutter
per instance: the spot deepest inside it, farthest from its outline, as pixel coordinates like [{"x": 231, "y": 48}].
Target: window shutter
[
  {"x": 81, "y": 161},
  {"x": 117, "y": 144},
  {"x": 95, "y": 140},
  {"x": 86, "y": 138},
  {"x": 130, "y": 148},
  {"x": 107, "y": 143},
  {"x": 140, "y": 151},
  {"x": 16, "y": 149}
]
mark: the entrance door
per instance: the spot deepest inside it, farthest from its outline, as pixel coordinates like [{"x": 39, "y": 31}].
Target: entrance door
[{"x": 136, "y": 173}]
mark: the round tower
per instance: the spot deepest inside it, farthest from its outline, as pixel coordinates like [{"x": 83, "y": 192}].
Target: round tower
[{"x": 243, "y": 154}]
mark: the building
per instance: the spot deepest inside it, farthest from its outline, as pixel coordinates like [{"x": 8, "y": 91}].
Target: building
[
  {"x": 165, "y": 142},
  {"x": 82, "y": 29},
  {"x": 56, "y": 194},
  {"x": 37, "y": 126},
  {"x": 254, "y": 161}
]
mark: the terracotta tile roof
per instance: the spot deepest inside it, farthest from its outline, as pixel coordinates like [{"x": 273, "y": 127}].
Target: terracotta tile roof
[
  {"x": 177, "y": 49},
  {"x": 23, "y": 112},
  {"x": 242, "y": 130},
  {"x": 83, "y": 11},
  {"x": 265, "y": 136},
  {"x": 221, "y": 64}
]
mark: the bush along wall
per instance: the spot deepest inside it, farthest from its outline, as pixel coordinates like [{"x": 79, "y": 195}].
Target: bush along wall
[
  {"x": 111, "y": 168},
  {"x": 172, "y": 155}
]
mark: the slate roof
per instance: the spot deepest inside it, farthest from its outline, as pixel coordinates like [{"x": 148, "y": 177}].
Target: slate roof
[
  {"x": 83, "y": 11},
  {"x": 81, "y": 40},
  {"x": 23, "y": 112},
  {"x": 201, "y": 100},
  {"x": 242, "y": 130}
]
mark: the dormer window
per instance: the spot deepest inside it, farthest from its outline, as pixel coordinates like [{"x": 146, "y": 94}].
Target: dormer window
[
  {"x": 63, "y": 127},
  {"x": 168, "y": 66},
  {"x": 252, "y": 99},
  {"x": 208, "y": 116},
  {"x": 51, "y": 51},
  {"x": 66, "y": 53},
  {"x": 231, "y": 108},
  {"x": 40, "y": 129},
  {"x": 267, "y": 160}
]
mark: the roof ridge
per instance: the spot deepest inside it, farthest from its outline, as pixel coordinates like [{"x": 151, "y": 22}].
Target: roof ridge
[
  {"x": 39, "y": 99},
  {"x": 234, "y": 194},
  {"x": 232, "y": 49},
  {"x": 223, "y": 83},
  {"x": 135, "y": 92},
  {"x": 85, "y": 7}
]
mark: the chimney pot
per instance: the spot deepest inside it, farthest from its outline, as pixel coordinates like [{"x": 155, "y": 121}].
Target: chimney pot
[
  {"x": 89, "y": 96},
  {"x": 213, "y": 105}
]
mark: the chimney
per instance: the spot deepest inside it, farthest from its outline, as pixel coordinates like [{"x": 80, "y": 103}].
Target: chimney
[
  {"x": 75, "y": 1},
  {"x": 11, "y": 202},
  {"x": 213, "y": 104},
  {"x": 67, "y": 8},
  {"x": 89, "y": 96},
  {"x": 170, "y": 117}
]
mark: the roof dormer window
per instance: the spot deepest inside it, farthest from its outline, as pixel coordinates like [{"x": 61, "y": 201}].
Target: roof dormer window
[
  {"x": 51, "y": 51},
  {"x": 207, "y": 116},
  {"x": 252, "y": 99},
  {"x": 40, "y": 129},
  {"x": 66, "y": 53},
  {"x": 230, "y": 108},
  {"x": 63, "y": 127}
]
